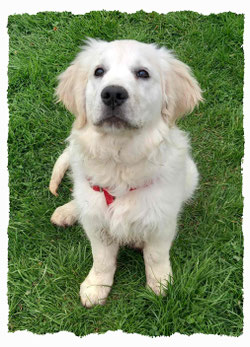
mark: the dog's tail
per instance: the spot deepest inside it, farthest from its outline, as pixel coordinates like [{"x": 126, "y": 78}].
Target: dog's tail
[{"x": 60, "y": 167}]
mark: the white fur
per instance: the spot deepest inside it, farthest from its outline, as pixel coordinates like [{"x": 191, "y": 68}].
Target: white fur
[
  {"x": 62, "y": 165},
  {"x": 154, "y": 158}
]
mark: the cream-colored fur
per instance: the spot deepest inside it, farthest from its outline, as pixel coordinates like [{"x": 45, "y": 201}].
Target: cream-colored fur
[{"x": 152, "y": 156}]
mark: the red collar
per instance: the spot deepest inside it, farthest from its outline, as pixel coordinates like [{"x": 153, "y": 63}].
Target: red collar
[{"x": 109, "y": 198}]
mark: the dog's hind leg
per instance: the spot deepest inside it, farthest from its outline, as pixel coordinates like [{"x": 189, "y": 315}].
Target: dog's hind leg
[
  {"x": 65, "y": 215},
  {"x": 60, "y": 167}
]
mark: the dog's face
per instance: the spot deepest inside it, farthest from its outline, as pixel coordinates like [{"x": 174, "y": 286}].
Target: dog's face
[{"x": 126, "y": 85}]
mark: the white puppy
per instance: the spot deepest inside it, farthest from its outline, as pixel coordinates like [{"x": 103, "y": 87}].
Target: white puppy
[{"x": 131, "y": 165}]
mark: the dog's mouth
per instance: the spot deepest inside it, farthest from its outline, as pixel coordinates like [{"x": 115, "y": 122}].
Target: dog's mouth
[{"x": 115, "y": 121}]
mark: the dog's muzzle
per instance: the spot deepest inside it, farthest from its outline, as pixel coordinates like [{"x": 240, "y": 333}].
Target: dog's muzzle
[{"x": 114, "y": 113}]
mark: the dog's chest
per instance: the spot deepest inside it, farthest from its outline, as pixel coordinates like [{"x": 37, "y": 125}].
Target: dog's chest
[{"x": 116, "y": 176}]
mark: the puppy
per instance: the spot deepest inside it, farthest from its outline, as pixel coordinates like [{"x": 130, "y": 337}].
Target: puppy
[{"x": 131, "y": 166}]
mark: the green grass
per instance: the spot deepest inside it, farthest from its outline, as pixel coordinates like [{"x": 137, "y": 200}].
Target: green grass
[{"x": 47, "y": 264}]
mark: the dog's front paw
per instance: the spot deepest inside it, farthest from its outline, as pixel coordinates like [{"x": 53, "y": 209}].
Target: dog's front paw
[
  {"x": 93, "y": 294},
  {"x": 159, "y": 285},
  {"x": 64, "y": 215}
]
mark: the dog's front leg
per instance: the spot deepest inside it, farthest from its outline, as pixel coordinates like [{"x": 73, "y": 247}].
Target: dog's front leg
[
  {"x": 157, "y": 263},
  {"x": 97, "y": 285}
]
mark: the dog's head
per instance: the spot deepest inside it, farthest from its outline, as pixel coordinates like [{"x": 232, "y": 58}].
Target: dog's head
[{"x": 126, "y": 85}]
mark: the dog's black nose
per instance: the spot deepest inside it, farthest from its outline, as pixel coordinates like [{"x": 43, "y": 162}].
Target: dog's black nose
[{"x": 114, "y": 96}]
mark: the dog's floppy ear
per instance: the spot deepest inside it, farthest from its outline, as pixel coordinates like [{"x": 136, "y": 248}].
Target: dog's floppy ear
[
  {"x": 181, "y": 91},
  {"x": 73, "y": 81},
  {"x": 71, "y": 91}
]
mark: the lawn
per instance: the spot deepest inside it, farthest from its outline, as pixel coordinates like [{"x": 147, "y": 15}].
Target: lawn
[{"x": 46, "y": 263}]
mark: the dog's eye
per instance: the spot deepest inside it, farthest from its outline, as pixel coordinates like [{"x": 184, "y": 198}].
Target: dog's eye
[
  {"x": 142, "y": 74},
  {"x": 99, "y": 72}
]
